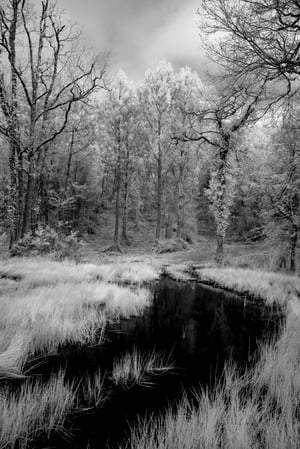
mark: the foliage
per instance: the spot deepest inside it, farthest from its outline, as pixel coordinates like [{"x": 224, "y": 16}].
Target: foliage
[
  {"x": 170, "y": 245},
  {"x": 47, "y": 240}
]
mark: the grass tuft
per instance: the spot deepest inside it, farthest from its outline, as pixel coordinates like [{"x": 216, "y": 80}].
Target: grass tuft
[
  {"x": 137, "y": 368},
  {"x": 38, "y": 408}
]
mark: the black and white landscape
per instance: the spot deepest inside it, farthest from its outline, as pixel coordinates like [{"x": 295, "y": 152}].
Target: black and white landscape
[{"x": 149, "y": 224}]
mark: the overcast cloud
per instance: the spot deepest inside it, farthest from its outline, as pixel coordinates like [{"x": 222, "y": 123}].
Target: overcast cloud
[{"x": 139, "y": 33}]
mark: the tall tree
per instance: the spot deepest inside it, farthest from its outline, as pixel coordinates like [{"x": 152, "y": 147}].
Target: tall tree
[
  {"x": 117, "y": 113},
  {"x": 219, "y": 126},
  {"x": 49, "y": 72},
  {"x": 156, "y": 104}
]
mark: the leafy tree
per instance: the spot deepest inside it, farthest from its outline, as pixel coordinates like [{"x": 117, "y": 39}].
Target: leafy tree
[
  {"x": 156, "y": 103},
  {"x": 117, "y": 115}
]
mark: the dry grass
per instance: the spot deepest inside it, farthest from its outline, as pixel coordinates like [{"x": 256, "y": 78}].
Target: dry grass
[
  {"x": 137, "y": 368},
  {"x": 58, "y": 303},
  {"x": 254, "y": 411},
  {"x": 38, "y": 408},
  {"x": 272, "y": 287},
  {"x": 94, "y": 393},
  {"x": 41, "y": 271}
]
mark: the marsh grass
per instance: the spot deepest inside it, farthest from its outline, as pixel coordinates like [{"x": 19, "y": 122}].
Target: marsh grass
[
  {"x": 56, "y": 304},
  {"x": 137, "y": 368},
  {"x": 259, "y": 409},
  {"x": 40, "y": 271},
  {"x": 272, "y": 287},
  {"x": 36, "y": 408},
  {"x": 93, "y": 391}
]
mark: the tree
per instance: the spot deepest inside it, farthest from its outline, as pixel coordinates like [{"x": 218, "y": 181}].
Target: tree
[
  {"x": 255, "y": 39},
  {"x": 219, "y": 127},
  {"x": 282, "y": 207},
  {"x": 49, "y": 72},
  {"x": 155, "y": 97},
  {"x": 117, "y": 114},
  {"x": 188, "y": 97}
]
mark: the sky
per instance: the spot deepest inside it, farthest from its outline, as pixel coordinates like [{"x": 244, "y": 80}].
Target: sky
[{"x": 139, "y": 33}]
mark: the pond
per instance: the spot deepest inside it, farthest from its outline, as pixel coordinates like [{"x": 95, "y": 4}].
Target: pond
[{"x": 195, "y": 327}]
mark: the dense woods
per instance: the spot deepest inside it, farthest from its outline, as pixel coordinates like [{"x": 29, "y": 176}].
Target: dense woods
[{"x": 173, "y": 154}]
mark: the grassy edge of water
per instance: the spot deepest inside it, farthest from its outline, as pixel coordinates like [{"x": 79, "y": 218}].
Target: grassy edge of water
[
  {"x": 275, "y": 374},
  {"x": 259, "y": 409}
]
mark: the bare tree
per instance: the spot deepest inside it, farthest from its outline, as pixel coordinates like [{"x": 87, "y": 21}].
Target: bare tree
[
  {"x": 49, "y": 72},
  {"x": 256, "y": 39}
]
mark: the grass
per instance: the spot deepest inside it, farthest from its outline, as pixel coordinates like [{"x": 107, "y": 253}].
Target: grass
[
  {"x": 40, "y": 271},
  {"x": 54, "y": 304},
  {"x": 94, "y": 393},
  {"x": 272, "y": 287},
  {"x": 137, "y": 368},
  {"x": 257, "y": 410},
  {"x": 38, "y": 408}
]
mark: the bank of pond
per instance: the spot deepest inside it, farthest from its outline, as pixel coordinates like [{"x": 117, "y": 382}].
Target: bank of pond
[{"x": 195, "y": 369}]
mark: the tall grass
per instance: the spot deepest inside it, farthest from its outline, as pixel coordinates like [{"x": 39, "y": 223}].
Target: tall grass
[
  {"x": 38, "y": 408},
  {"x": 94, "y": 393},
  {"x": 40, "y": 271},
  {"x": 257, "y": 410},
  {"x": 55, "y": 304},
  {"x": 137, "y": 368},
  {"x": 272, "y": 287}
]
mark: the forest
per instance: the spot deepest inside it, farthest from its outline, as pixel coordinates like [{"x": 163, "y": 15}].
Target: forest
[{"x": 172, "y": 154}]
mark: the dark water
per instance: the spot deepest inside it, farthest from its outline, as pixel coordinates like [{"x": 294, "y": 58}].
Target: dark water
[{"x": 199, "y": 326}]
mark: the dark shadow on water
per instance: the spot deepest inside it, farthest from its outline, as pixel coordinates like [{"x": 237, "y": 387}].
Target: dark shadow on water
[{"x": 200, "y": 326}]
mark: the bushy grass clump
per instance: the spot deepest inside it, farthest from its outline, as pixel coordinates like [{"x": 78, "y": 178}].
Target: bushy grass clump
[
  {"x": 138, "y": 368},
  {"x": 272, "y": 287},
  {"x": 38, "y": 408}
]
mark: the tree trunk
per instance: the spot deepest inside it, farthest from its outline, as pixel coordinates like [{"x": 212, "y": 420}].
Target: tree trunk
[
  {"x": 220, "y": 249},
  {"x": 70, "y": 158},
  {"x": 137, "y": 210},
  {"x": 168, "y": 229},
  {"x": 12, "y": 212},
  {"x": 180, "y": 211},
  {"x": 159, "y": 191},
  {"x": 124, "y": 237},
  {"x": 125, "y": 215},
  {"x": 294, "y": 239},
  {"x": 13, "y": 132},
  {"x": 116, "y": 244},
  {"x": 29, "y": 197}
]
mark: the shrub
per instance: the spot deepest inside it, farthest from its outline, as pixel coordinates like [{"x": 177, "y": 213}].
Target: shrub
[
  {"x": 170, "y": 245},
  {"x": 47, "y": 241}
]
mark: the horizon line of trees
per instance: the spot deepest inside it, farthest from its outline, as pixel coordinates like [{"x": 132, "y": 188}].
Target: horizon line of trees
[{"x": 172, "y": 149}]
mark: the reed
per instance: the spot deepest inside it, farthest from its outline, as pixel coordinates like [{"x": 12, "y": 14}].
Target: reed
[
  {"x": 93, "y": 391},
  {"x": 38, "y": 408},
  {"x": 137, "y": 368}
]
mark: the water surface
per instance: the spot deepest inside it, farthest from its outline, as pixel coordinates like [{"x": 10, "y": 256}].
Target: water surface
[{"x": 201, "y": 327}]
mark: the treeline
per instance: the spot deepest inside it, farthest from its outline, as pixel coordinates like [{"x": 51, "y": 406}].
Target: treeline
[{"x": 192, "y": 157}]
